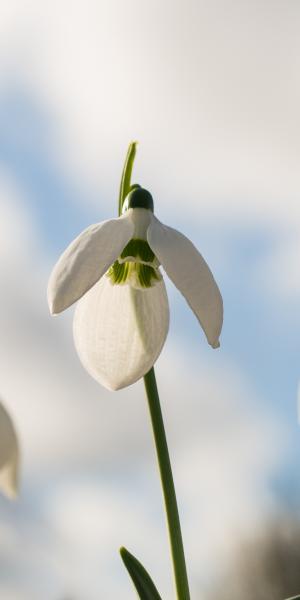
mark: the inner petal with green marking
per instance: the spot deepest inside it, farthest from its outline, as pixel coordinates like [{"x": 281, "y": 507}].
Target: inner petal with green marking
[{"x": 137, "y": 265}]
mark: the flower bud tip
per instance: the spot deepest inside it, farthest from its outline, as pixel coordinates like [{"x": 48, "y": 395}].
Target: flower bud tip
[{"x": 215, "y": 345}]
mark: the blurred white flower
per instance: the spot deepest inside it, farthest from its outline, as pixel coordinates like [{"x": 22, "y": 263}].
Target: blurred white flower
[
  {"x": 122, "y": 319},
  {"x": 9, "y": 455}
]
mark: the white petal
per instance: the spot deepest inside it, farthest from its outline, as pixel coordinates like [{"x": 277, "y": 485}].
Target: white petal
[
  {"x": 86, "y": 259},
  {"x": 119, "y": 331},
  {"x": 191, "y": 275},
  {"x": 9, "y": 455}
]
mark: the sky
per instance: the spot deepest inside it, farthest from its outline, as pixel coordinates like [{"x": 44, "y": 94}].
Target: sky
[{"x": 211, "y": 92}]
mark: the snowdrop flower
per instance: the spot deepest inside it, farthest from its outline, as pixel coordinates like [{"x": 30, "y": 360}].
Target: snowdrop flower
[
  {"x": 9, "y": 455},
  {"x": 122, "y": 317}
]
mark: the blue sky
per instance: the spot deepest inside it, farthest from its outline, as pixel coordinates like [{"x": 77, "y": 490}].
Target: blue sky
[{"x": 217, "y": 120}]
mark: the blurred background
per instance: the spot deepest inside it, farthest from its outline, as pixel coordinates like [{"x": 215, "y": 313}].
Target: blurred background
[{"x": 211, "y": 90}]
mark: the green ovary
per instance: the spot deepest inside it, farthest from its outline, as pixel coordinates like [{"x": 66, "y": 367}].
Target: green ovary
[{"x": 135, "y": 271}]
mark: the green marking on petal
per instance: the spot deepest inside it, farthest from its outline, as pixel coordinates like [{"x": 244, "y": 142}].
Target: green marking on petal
[
  {"x": 136, "y": 274},
  {"x": 118, "y": 272},
  {"x": 147, "y": 275},
  {"x": 138, "y": 249},
  {"x": 139, "y": 270}
]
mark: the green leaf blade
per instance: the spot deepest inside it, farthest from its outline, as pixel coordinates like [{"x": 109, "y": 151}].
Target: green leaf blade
[{"x": 141, "y": 579}]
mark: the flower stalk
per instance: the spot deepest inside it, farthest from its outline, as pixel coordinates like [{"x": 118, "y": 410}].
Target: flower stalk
[
  {"x": 168, "y": 488},
  {"x": 160, "y": 440}
]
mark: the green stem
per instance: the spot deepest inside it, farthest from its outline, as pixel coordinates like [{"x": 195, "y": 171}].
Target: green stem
[{"x": 165, "y": 469}]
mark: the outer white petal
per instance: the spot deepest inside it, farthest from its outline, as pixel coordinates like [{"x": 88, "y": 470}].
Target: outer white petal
[
  {"x": 86, "y": 259},
  {"x": 191, "y": 275},
  {"x": 119, "y": 331},
  {"x": 9, "y": 455}
]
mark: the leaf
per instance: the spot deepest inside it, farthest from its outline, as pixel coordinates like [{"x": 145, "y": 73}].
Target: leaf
[
  {"x": 141, "y": 579},
  {"x": 294, "y": 598}
]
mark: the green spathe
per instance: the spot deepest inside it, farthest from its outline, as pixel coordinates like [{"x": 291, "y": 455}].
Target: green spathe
[{"x": 126, "y": 174}]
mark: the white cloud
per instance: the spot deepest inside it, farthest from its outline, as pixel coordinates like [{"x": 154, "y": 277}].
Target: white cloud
[{"x": 212, "y": 94}]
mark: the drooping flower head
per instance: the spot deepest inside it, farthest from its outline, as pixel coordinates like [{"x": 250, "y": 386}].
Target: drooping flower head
[
  {"x": 9, "y": 455},
  {"x": 113, "y": 269}
]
